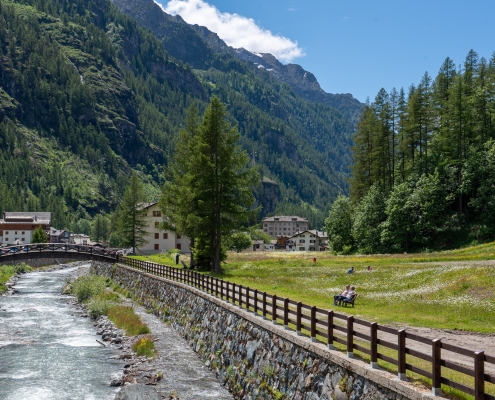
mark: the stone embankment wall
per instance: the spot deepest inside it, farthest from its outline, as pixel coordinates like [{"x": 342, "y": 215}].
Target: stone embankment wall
[{"x": 253, "y": 357}]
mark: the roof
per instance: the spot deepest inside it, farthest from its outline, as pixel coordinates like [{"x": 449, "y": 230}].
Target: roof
[
  {"x": 285, "y": 218},
  {"x": 320, "y": 234},
  {"x": 142, "y": 206},
  {"x": 56, "y": 232},
  {"x": 44, "y": 218}
]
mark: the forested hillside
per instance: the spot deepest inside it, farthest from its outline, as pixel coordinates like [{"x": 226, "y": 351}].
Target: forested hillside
[
  {"x": 87, "y": 96},
  {"x": 424, "y": 165}
]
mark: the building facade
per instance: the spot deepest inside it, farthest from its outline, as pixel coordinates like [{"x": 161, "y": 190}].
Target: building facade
[
  {"x": 159, "y": 240},
  {"x": 308, "y": 241},
  {"x": 18, "y": 227},
  {"x": 282, "y": 225}
]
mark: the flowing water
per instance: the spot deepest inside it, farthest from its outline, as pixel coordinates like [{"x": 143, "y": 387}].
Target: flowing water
[{"x": 47, "y": 351}]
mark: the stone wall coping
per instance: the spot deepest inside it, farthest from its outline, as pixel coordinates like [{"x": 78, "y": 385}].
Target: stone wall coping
[{"x": 361, "y": 368}]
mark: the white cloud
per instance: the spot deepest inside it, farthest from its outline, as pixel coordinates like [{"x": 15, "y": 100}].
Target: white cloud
[{"x": 237, "y": 31}]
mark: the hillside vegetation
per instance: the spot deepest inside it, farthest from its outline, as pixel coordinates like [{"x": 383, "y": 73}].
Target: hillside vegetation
[
  {"x": 87, "y": 96},
  {"x": 424, "y": 166}
]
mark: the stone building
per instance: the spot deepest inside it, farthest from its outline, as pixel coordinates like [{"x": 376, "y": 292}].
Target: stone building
[{"x": 281, "y": 225}]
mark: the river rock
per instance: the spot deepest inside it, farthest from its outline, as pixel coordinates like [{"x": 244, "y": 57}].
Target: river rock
[{"x": 137, "y": 392}]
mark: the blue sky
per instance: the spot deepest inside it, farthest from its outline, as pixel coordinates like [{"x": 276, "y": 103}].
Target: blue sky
[{"x": 353, "y": 46}]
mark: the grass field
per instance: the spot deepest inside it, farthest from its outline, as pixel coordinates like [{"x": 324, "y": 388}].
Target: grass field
[{"x": 451, "y": 289}]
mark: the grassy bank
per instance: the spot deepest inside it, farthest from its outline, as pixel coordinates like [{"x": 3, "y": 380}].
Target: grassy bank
[
  {"x": 443, "y": 290},
  {"x": 99, "y": 298},
  {"x": 450, "y": 289},
  {"x": 8, "y": 271}
]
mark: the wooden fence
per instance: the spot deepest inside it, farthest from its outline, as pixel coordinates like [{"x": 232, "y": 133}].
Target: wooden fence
[{"x": 353, "y": 333}]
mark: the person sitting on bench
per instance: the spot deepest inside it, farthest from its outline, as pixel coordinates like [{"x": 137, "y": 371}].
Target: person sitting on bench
[
  {"x": 343, "y": 294},
  {"x": 348, "y": 297}
]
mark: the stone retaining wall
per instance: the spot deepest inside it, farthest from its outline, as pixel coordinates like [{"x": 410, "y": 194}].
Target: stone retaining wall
[{"x": 253, "y": 357}]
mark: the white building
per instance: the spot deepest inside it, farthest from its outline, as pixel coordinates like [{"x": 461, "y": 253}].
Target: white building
[
  {"x": 80, "y": 238},
  {"x": 159, "y": 240},
  {"x": 17, "y": 227},
  {"x": 312, "y": 240},
  {"x": 282, "y": 225}
]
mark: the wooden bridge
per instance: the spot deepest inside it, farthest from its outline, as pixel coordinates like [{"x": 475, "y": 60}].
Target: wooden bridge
[{"x": 74, "y": 252}]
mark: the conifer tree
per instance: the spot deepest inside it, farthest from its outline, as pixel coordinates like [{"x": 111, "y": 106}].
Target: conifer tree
[
  {"x": 217, "y": 185},
  {"x": 133, "y": 222}
]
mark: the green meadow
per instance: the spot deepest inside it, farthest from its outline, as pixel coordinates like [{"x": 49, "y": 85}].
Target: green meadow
[{"x": 451, "y": 289}]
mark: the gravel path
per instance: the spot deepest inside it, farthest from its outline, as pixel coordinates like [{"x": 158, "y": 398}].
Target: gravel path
[{"x": 184, "y": 374}]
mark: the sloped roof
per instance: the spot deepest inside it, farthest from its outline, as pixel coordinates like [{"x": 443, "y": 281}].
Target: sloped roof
[{"x": 44, "y": 218}]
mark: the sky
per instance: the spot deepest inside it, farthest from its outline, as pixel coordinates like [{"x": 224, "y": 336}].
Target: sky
[{"x": 352, "y": 46}]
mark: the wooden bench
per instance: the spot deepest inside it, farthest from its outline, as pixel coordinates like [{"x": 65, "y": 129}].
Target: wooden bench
[{"x": 348, "y": 301}]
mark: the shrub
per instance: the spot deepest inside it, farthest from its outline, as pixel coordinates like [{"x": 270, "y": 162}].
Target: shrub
[
  {"x": 97, "y": 307},
  {"x": 86, "y": 287},
  {"x": 144, "y": 347}
]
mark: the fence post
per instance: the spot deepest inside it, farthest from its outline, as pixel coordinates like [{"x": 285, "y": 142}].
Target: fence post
[
  {"x": 240, "y": 296},
  {"x": 330, "y": 331},
  {"x": 374, "y": 345},
  {"x": 221, "y": 288},
  {"x": 350, "y": 336},
  {"x": 479, "y": 375},
  {"x": 286, "y": 313},
  {"x": 313, "y": 324},
  {"x": 264, "y": 305},
  {"x": 247, "y": 298},
  {"x": 216, "y": 287},
  {"x": 274, "y": 308},
  {"x": 298, "y": 319},
  {"x": 401, "y": 359},
  {"x": 436, "y": 368},
  {"x": 255, "y": 302},
  {"x": 227, "y": 290}
]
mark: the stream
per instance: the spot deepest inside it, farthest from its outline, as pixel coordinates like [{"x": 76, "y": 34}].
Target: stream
[{"x": 47, "y": 351}]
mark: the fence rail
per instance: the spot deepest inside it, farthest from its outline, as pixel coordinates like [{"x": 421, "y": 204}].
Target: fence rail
[
  {"x": 57, "y": 248},
  {"x": 353, "y": 333}
]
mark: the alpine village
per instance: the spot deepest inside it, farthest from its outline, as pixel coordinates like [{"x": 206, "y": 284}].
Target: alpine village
[{"x": 185, "y": 219}]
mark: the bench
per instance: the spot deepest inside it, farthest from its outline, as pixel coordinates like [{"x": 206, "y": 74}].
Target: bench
[{"x": 348, "y": 301}]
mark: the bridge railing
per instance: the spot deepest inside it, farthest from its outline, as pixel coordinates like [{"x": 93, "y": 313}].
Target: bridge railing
[
  {"x": 402, "y": 350},
  {"x": 57, "y": 248}
]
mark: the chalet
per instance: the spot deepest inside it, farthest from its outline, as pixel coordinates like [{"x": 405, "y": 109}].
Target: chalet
[
  {"x": 19, "y": 226},
  {"x": 58, "y": 236},
  {"x": 309, "y": 240},
  {"x": 79, "y": 238},
  {"x": 159, "y": 240},
  {"x": 282, "y": 225}
]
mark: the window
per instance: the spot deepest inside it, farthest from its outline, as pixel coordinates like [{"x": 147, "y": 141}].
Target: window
[
  {"x": 312, "y": 241},
  {"x": 16, "y": 232},
  {"x": 165, "y": 235},
  {"x": 157, "y": 213},
  {"x": 178, "y": 246},
  {"x": 157, "y": 247},
  {"x": 23, "y": 239},
  {"x": 23, "y": 233},
  {"x": 302, "y": 241},
  {"x": 179, "y": 236},
  {"x": 301, "y": 248},
  {"x": 6, "y": 232},
  {"x": 265, "y": 225},
  {"x": 157, "y": 224},
  {"x": 157, "y": 235}
]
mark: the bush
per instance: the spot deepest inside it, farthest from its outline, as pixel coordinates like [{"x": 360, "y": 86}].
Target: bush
[
  {"x": 144, "y": 347},
  {"x": 97, "y": 308},
  {"x": 86, "y": 287}
]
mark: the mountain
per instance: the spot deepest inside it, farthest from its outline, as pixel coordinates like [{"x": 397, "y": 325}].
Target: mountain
[
  {"x": 87, "y": 96},
  {"x": 198, "y": 50}
]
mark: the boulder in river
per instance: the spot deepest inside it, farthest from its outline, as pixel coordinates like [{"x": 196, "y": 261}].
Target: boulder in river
[{"x": 137, "y": 392}]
